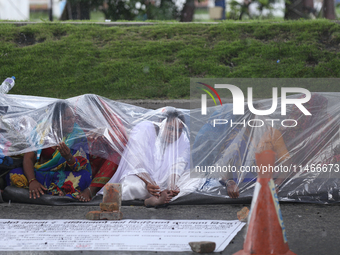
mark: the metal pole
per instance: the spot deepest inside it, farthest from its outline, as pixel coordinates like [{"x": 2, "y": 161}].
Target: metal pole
[{"x": 50, "y": 12}]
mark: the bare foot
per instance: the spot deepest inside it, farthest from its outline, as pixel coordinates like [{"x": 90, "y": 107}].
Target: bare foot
[
  {"x": 164, "y": 198},
  {"x": 84, "y": 196},
  {"x": 87, "y": 194}
]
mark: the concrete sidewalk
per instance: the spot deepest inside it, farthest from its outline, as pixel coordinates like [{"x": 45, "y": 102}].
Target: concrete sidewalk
[{"x": 311, "y": 229}]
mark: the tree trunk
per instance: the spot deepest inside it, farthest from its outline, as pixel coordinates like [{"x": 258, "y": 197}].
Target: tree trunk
[
  {"x": 78, "y": 11},
  {"x": 294, "y": 9},
  {"x": 328, "y": 9},
  {"x": 187, "y": 14}
]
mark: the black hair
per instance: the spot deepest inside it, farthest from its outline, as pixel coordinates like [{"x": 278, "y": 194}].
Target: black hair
[
  {"x": 171, "y": 113},
  {"x": 59, "y": 109}
]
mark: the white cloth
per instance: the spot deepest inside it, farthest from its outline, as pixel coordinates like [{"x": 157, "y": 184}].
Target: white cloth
[
  {"x": 134, "y": 188},
  {"x": 147, "y": 153}
]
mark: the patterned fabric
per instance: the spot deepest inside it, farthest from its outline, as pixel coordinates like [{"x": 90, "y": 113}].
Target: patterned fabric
[
  {"x": 112, "y": 141},
  {"x": 4, "y": 146},
  {"x": 102, "y": 170},
  {"x": 106, "y": 150},
  {"x": 56, "y": 175},
  {"x": 118, "y": 134}
]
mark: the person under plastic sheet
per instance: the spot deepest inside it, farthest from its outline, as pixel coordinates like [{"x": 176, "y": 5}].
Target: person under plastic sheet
[
  {"x": 5, "y": 144},
  {"x": 238, "y": 149},
  {"x": 307, "y": 140},
  {"x": 312, "y": 142},
  {"x": 302, "y": 145},
  {"x": 106, "y": 145},
  {"x": 207, "y": 139},
  {"x": 12, "y": 137},
  {"x": 154, "y": 166},
  {"x": 5, "y": 161},
  {"x": 63, "y": 169}
]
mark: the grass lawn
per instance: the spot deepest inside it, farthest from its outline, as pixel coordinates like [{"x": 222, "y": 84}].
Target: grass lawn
[{"x": 156, "y": 62}]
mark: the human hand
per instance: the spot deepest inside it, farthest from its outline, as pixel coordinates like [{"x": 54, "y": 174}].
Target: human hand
[
  {"x": 232, "y": 189},
  {"x": 65, "y": 151},
  {"x": 36, "y": 189},
  {"x": 175, "y": 192},
  {"x": 153, "y": 189},
  {"x": 96, "y": 135},
  {"x": 98, "y": 144}
]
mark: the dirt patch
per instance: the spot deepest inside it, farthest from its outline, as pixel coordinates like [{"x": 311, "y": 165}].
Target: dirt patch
[
  {"x": 27, "y": 39},
  {"x": 201, "y": 75},
  {"x": 311, "y": 61},
  {"x": 330, "y": 41},
  {"x": 227, "y": 60},
  {"x": 59, "y": 34}
]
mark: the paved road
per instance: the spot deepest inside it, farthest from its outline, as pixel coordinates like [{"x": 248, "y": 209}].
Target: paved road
[{"x": 311, "y": 229}]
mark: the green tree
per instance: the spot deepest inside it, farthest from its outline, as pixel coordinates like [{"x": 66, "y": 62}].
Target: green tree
[
  {"x": 119, "y": 9},
  {"x": 239, "y": 10},
  {"x": 137, "y": 9},
  {"x": 123, "y": 9}
]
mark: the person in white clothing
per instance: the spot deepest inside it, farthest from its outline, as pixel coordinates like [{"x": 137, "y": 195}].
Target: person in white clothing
[{"x": 155, "y": 160}]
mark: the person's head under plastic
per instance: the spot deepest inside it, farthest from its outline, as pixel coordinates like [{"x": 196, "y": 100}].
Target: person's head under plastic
[
  {"x": 172, "y": 125},
  {"x": 63, "y": 118},
  {"x": 171, "y": 128},
  {"x": 60, "y": 169},
  {"x": 155, "y": 159},
  {"x": 238, "y": 147},
  {"x": 106, "y": 138}
]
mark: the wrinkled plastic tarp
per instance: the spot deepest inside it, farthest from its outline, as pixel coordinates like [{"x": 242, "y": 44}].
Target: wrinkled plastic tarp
[
  {"x": 310, "y": 150},
  {"x": 307, "y": 149}
]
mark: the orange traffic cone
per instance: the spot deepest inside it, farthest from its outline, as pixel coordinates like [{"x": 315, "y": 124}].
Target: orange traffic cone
[{"x": 266, "y": 233}]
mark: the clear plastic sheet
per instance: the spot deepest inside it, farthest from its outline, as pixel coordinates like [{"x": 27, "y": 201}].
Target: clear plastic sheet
[
  {"x": 34, "y": 123},
  {"x": 158, "y": 153},
  {"x": 166, "y": 151},
  {"x": 150, "y": 144},
  {"x": 306, "y": 147}
]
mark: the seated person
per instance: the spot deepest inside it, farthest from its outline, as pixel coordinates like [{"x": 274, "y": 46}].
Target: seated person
[
  {"x": 63, "y": 169},
  {"x": 12, "y": 138},
  {"x": 7, "y": 132},
  {"x": 5, "y": 162},
  {"x": 106, "y": 146},
  {"x": 208, "y": 138},
  {"x": 4, "y": 145},
  {"x": 239, "y": 148},
  {"x": 155, "y": 162},
  {"x": 313, "y": 144},
  {"x": 307, "y": 141}
]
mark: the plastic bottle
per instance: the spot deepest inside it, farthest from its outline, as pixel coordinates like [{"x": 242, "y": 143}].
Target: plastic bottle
[{"x": 7, "y": 85}]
